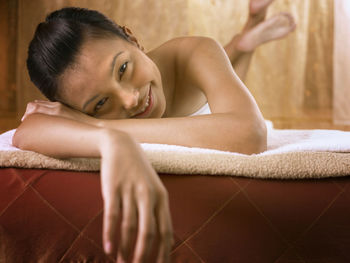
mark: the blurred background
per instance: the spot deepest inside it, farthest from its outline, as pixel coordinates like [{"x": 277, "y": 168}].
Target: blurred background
[{"x": 302, "y": 81}]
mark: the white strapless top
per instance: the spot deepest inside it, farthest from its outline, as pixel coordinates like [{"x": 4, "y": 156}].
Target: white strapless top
[{"x": 204, "y": 110}]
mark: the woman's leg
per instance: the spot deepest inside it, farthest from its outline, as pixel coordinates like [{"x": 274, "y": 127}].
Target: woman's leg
[
  {"x": 257, "y": 14},
  {"x": 256, "y": 31},
  {"x": 240, "y": 60}
]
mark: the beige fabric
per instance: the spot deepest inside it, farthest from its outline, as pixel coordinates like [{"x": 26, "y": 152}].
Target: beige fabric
[{"x": 298, "y": 165}]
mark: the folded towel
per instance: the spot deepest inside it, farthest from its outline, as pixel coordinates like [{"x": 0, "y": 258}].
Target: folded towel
[
  {"x": 290, "y": 154},
  {"x": 6, "y": 141}
]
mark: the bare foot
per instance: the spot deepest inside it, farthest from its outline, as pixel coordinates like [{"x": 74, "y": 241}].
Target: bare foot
[
  {"x": 271, "y": 29},
  {"x": 257, "y": 13},
  {"x": 258, "y": 6}
]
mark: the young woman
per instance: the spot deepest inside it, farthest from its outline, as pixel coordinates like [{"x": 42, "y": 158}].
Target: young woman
[{"x": 106, "y": 94}]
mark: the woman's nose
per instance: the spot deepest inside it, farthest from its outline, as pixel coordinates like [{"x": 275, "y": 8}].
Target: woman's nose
[{"x": 129, "y": 99}]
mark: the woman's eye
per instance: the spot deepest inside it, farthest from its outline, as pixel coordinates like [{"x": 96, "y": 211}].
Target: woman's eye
[
  {"x": 100, "y": 104},
  {"x": 122, "y": 69}
]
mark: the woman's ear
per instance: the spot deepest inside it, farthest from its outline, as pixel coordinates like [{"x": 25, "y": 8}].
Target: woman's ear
[{"x": 131, "y": 37}]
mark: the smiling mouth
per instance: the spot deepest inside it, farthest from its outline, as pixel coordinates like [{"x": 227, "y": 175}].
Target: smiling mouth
[{"x": 145, "y": 109}]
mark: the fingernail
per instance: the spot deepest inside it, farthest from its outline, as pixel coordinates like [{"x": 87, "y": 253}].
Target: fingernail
[
  {"x": 22, "y": 118},
  {"x": 108, "y": 247}
]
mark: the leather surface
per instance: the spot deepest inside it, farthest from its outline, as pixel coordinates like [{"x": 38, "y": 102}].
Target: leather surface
[{"x": 56, "y": 216}]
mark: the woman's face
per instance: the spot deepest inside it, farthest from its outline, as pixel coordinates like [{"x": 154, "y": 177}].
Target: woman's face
[{"x": 113, "y": 79}]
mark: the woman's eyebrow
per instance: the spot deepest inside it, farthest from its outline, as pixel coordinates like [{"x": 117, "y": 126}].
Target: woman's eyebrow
[{"x": 114, "y": 60}]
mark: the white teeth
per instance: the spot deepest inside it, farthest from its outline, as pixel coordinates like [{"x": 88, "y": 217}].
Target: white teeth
[
  {"x": 145, "y": 107},
  {"x": 147, "y": 103}
]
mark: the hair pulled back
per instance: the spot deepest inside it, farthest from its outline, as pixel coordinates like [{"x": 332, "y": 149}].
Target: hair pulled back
[{"x": 57, "y": 41}]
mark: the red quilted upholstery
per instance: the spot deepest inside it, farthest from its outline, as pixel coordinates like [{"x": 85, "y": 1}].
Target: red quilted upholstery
[{"x": 56, "y": 216}]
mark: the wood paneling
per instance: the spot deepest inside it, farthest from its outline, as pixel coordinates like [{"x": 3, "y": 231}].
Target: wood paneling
[
  {"x": 8, "y": 40},
  {"x": 291, "y": 79},
  {"x": 341, "y": 93},
  {"x": 8, "y": 26}
]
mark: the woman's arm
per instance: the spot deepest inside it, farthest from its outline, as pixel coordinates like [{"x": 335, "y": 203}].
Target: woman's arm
[
  {"x": 221, "y": 131},
  {"x": 236, "y": 123},
  {"x": 127, "y": 179}
]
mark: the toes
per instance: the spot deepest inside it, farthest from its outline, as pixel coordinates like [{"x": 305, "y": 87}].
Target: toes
[
  {"x": 283, "y": 20},
  {"x": 290, "y": 17}
]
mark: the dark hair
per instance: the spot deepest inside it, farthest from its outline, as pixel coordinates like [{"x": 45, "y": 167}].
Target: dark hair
[{"x": 57, "y": 41}]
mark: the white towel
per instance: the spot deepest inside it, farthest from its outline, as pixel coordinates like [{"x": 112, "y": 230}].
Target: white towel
[
  {"x": 291, "y": 154},
  {"x": 6, "y": 141},
  {"x": 204, "y": 110},
  {"x": 278, "y": 141}
]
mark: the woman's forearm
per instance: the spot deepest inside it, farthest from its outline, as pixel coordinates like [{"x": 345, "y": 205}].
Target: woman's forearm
[
  {"x": 128, "y": 181},
  {"x": 221, "y": 131},
  {"x": 63, "y": 138}
]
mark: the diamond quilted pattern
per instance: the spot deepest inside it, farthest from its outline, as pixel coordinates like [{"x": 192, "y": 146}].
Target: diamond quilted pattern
[
  {"x": 328, "y": 240},
  {"x": 84, "y": 250},
  {"x": 68, "y": 193},
  {"x": 199, "y": 198},
  {"x": 35, "y": 229},
  {"x": 56, "y": 216},
  {"x": 291, "y": 206},
  {"x": 12, "y": 187},
  {"x": 29, "y": 176},
  {"x": 238, "y": 227},
  {"x": 342, "y": 183},
  {"x": 290, "y": 256},
  {"x": 184, "y": 254},
  {"x": 93, "y": 230},
  {"x": 242, "y": 182}
]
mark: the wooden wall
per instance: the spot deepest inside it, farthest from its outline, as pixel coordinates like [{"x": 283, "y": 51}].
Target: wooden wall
[
  {"x": 291, "y": 79},
  {"x": 8, "y": 41}
]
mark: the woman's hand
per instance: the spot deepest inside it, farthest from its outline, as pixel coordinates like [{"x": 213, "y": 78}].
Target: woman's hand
[
  {"x": 130, "y": 183},
  {"x": 56, "y": 109}
]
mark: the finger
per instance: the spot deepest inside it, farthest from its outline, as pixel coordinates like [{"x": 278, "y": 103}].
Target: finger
[
  {"x": 49, "y": 104},
  {"x": 44, "y": 107},
  {"x": 165, "y": 230},
  {"x": 24, "y": 116},
  {"x": 146, "y": 231},
  {"x": 129, "y": 224},
  {"x": 110, "y": 217},
  {"x": 42, "y": 101},
  {"x": 36, "y": 109},
  {"x": 31, "y": 108}
]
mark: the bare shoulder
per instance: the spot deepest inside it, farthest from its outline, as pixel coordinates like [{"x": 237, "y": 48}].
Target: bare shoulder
[
  {"x": 202, "y": 65},
  {"x": 173, "y": 59},
  {"x": 183, "y": 48},
  {"x": 199, "y": 61}
]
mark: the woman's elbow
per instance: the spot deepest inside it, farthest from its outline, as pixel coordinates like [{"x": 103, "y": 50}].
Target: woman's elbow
[
  {"x": 22, "y": 137},
  {"x": 18, "y": 140},
  {"x": 257, "y": 137}
]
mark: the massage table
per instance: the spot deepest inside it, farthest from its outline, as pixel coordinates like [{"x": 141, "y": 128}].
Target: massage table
[{"x": 258, "y": 213}]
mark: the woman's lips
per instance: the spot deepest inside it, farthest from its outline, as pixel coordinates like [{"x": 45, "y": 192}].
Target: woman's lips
[{"x": 150, "y": 105}]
